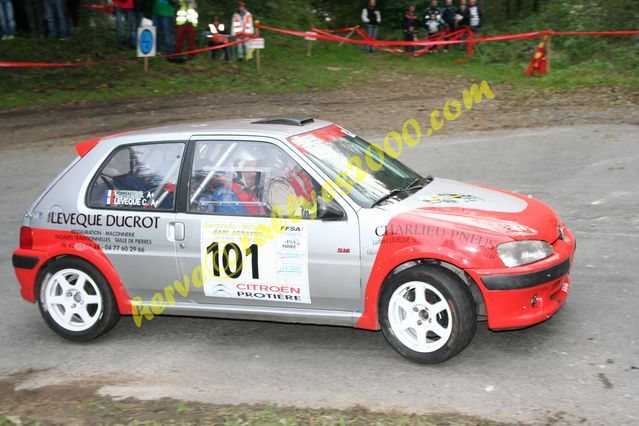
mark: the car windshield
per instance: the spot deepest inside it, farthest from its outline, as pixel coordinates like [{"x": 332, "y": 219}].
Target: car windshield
[{"x": 360, "y": 169}]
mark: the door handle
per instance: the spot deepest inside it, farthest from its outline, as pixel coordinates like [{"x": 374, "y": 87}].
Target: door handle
[{"x": 175, "y": 231}]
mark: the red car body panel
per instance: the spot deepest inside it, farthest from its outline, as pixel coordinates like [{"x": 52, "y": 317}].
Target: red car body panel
[
  {"x": 49, "y": 244},
  {"x": 467, "y": 238}
]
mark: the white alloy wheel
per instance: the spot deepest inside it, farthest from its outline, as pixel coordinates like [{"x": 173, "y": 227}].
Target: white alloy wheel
[
  {"x": 72, "y": 299},
  {"x": 420, "y": 316}
]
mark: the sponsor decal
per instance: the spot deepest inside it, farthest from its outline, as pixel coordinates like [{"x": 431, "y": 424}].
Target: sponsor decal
[
  {"x": 421, "y": 233},
  {"x": 449, "y": 198},
  {"x": 236, "y": 266},
  {"x": 121, "y": 198},
  {"x": 91, "y": 219},
  {"x": 410, "y": 229}
]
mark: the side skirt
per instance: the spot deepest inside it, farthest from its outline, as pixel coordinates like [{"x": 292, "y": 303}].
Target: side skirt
[{"x": 289, "y": 315}]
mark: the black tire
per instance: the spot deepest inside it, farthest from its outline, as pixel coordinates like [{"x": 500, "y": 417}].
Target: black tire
[
  {"x": 462, "y": 310},
  {"x": 109, "y": 314}
]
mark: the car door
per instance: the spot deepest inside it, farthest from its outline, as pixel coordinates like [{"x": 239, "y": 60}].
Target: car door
[
  {"x": 248, "y": 258},
  {"x": 133, "y": 193}
]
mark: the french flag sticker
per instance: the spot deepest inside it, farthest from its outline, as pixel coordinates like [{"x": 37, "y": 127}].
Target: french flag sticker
[{"x": 109, "y": 197}]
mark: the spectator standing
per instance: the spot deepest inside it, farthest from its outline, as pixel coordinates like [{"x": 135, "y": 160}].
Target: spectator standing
[
  {"x": 242, "y": 28},
  {"x": 124, "y": 10},
  {"x": 217, "y": 37},
  {"x": 55, "y": 13},
  {"x": 475, "y": 16},
  {"x": 434, "y": 25},
  {"x": 409, "y": 25},
  {"x": 139, "y": 7},
  {"x": 433, "y": 8},
  {"x": 73, "y": 12},
  {"x": 463, "y": 17},
  {"x": 163, "y": 16},
  {"x": 448, "y": 16},
  {"x": 185, "y": 24},
  {"x": 35, "y": 17},
  {"x": 7, "y": 21},
  {"x": 372, "y": 17}
]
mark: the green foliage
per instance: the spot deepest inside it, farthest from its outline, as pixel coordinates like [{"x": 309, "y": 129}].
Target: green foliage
[
  {"x": 568, "y": 15},
  {"x": 288, "y": 13}
]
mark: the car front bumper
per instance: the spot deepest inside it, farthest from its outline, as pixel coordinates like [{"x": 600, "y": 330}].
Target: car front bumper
[{"x": 526, "y": 295}]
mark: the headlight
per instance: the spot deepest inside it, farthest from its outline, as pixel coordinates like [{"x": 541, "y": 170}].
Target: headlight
[{"x": 519, "y": 253}]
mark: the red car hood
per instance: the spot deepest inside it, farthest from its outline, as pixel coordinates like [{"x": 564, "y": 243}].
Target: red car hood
[{"x": 481, "y": 208}]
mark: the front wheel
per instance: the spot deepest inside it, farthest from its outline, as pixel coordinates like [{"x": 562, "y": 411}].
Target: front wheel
[
  {"x": 427, "y": 314},
  {"x": 76, "y": 301}
]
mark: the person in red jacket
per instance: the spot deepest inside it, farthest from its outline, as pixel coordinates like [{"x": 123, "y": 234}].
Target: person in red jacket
[{"x": 124, "y": 9}]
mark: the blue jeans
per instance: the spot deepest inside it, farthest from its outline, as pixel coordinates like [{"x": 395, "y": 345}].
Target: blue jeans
[
  {"x": 164, "y": 25},
  {"x": 133, "y": 19},
  {"x": 7, "y": 22},
  {"x": 371, "y": 30},
  {"x": 243, "y": 49},
  {"x": 55, "y": 12}
]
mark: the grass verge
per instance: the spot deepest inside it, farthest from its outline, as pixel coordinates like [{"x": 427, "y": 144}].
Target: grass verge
[{"x": 285, "y": 68}]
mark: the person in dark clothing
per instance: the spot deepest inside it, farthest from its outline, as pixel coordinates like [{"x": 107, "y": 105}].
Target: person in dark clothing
[
  {"x": 432, "y": 9},
  {"x": 372, "y": 17},
  {"x": 35, "y": 17},
  {"x": 409, "y": 25},
  {"x": 463, "y": 17},
  {"x": 448, "y": 16},
  {"x": 73, "y": 11}
]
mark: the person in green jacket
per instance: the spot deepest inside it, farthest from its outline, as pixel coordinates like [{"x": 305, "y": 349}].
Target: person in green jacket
[{"x": 163, "y": 19}]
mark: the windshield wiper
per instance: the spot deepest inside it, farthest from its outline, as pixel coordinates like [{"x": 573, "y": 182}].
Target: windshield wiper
[
  {"x": 420, "y": 182},
  {"x": 389, "y": 195},
  {"x": 416, "y": 184}
]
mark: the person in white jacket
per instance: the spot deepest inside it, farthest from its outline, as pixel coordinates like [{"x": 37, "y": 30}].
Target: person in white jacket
[
  {"x": 372, "y": 17},
  {"x": 242, "y": 28}
]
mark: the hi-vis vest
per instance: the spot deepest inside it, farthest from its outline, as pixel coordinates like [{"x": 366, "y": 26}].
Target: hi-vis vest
[
  {"x": 216, "y": 32},
  {"x": 186, "y": 13},
  {"x": 242, "y": 27}
]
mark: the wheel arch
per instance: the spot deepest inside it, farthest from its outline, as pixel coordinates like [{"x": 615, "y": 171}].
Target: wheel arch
[
  {"x": 370, "y": 317},
  {"x": 105, "y": 268},
  {"x": 478, "y": 297}
]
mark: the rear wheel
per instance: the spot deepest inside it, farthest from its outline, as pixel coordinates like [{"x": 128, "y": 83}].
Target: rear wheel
[
  {"x": 76, "y": 301},
  {"x": 427, "y": 314}
]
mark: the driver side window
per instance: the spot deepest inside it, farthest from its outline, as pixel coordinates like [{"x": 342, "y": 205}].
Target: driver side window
[
  {"x": 138, "y": 177},
  {"x": 249, "y": 179}
]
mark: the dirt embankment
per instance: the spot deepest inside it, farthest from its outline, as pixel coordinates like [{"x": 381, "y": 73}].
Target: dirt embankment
[{"x": 367, "y": 110}]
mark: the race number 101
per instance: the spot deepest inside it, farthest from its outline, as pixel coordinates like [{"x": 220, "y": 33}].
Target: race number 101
[{"x": 235, "y": 270}]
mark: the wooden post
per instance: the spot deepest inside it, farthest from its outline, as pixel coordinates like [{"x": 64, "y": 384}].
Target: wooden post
[
  {"x": 146, "y": 64},
  {"x": 310, "y": 48},
  {"x": 257, "y": 51}
]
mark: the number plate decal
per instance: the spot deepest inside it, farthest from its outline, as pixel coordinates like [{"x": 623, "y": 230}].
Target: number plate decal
[{"x": 246, "y": 258}]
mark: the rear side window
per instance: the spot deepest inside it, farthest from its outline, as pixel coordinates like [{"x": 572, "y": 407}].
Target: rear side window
[{"x": 138, "y": 177}]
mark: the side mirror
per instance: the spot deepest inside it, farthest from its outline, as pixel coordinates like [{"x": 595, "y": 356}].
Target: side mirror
[{"x": 329, "y": 210}]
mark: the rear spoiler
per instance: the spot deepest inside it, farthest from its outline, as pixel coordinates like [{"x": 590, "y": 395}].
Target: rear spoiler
[{"x": 86, "y": 146}]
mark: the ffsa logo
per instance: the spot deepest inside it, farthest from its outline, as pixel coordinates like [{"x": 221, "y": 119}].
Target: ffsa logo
[{"x": 290, "y": 228}]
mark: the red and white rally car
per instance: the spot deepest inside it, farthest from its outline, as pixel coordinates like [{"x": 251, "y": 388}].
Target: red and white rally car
[{"x": 286, "y": 219}]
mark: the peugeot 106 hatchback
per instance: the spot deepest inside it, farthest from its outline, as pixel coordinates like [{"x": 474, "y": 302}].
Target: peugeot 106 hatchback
[{"x": 285, "y": 219}]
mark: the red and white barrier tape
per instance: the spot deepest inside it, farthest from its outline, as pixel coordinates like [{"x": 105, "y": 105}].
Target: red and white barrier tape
[{"x": 5, "y": 64}]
